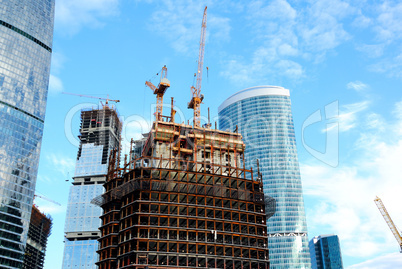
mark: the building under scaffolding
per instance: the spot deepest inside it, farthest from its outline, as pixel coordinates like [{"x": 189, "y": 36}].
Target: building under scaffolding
[
  {"x": 39, "y": 230},
  {"x": 187, "y": 201}
]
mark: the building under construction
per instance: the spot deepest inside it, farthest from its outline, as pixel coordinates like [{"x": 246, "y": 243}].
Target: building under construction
[
  {"x": 99, "y": 133},
  {"x": 183, "y": 197},
  {"x": 39, "y": 230},
  {"x": 187, "y": 202}
]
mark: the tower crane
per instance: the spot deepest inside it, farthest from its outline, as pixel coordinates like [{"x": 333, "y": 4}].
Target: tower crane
[
  {"x": 94, "y": 97},
  {"x": 159, "y": 91},
  {"x": 197, "y": 97},
  {"x": 47, "y": 199},
  {"x": 389, "y": 221}
]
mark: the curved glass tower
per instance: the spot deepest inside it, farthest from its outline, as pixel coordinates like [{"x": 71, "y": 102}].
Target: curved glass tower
[
  {"x": 26, "y": 34},
  {"x": 264, "y": 118}
]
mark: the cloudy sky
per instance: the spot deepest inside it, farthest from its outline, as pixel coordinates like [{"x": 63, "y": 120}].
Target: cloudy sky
[{"x": 341, "y": 61}]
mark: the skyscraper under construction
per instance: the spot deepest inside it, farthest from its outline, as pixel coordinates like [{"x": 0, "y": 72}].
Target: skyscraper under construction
[
  {"x": 187, "y": 201},
  {"x": 99, "y": 133},
  {"x": 39, "y": 231}
]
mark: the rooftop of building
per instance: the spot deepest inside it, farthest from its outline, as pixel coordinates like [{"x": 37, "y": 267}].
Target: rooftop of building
[{"x": 254, "y": 92}]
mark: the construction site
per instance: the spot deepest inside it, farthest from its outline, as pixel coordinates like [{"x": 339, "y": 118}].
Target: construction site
[{"x": 182, "y": 197}]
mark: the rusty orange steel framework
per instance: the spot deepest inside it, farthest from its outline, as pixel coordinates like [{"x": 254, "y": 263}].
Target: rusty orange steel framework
[
  {"x": 197, "y": 97},
  {"x": 187, "y": 202}
]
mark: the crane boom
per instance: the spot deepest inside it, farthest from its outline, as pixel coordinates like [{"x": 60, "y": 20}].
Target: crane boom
[
  {"x": 47, "y": 199},
  {"x": 94, "y": 97},
  {"x": 159, "y": 91},
  {"x": 201, "y": 52},
  {"x": 389, "y": 221},
  {"x": 196, "y": 91}
]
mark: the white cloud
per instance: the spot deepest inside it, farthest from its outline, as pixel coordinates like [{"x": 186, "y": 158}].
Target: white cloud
[
  {"x": 398, "y": 110},
  {"x": 362, "y": 21},
  {"x": 348, "y": 116},
  {"x": 357, "y": 86},
  {"x": 388, "y": 26},
  {"x": 344, "y": 196},
  {"x": 72, "y": 15},
  {"x": 375, "y": 122},
  {"x": 61, "y": 163},
  {"x": 392, "y": 67},
  {"x": 55, "y": 84},
  {"x": 290, "y": 34},
  {"x": 58, "y": 60},
  {"x": 185, "y": 18},
  {"x": 134, "y": 127},
  {"x": 372, "y": 51},
  {"x": 264, "y": 66},
  {"x": 389, "y": 261},
  {"x": 49, "y": 207}
]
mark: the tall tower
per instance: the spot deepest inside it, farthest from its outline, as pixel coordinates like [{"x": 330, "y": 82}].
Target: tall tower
[
  {"x": 26, "y": 34},
  {"x": 99, "y": 134},
  {"x": 263, "y": 116},
  {"x": 325, "y": 252}
]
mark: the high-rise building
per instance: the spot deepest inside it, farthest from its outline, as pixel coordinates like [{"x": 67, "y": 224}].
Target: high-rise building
[
  {"x": 26, "y": 34},
  {"x": 99, "y": 134},
  {"x": 263, "y": 116},
  {"x": 186, "y": 202},
  {"x": 38, "y": 233},
  {"x": 325, "y": 252}
]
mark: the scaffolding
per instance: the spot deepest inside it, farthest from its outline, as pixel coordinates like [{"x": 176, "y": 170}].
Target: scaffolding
[{"x": 188, "y": 201}]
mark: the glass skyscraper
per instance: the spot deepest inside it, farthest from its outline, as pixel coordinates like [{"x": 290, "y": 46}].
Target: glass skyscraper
[
  {"x": 99, "y": 134},
  {"x": 263, "y": 116},
  {"x": 26, "y": 34},
  {"x": 325, "y": 252}
]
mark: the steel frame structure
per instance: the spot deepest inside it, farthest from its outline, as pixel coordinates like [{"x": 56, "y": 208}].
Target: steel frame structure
[{"x": 186, "y": 202}]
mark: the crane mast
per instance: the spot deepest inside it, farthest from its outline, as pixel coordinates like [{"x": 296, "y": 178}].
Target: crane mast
[
  {"x": 196, "y": 91},
  {"x": 159, "y": 91},
  {"x": 389, "y": 221}
]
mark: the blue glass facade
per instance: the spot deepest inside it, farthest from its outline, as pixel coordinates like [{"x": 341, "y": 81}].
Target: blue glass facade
[
  {"x": 325, "y": 252},
  {"x": 78, "y": 254},
  {"x": 26, "y": 34},
  {"x": 99, "y": 134},
  {"x": 264, "y": 118}
]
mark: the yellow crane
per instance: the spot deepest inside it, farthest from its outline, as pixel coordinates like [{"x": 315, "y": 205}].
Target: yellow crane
[
  {"x": 389, "y": 221},
  {"x": 197, "y": 97},
  {"x": 159, "y": 91}
]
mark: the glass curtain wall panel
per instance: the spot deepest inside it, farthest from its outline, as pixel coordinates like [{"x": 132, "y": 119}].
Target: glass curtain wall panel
[
  {"x": 26, "y": 34},
  {"x": 263, "y": 116}
]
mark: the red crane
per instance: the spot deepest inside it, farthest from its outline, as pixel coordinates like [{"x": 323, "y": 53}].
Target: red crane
[{"x": 197, "y": 97}]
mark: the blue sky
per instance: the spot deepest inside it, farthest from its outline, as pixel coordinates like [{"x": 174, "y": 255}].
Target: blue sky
[{"x": 341, "y": 61}]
